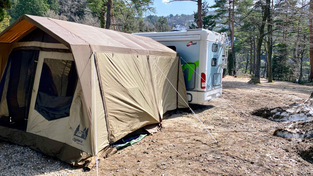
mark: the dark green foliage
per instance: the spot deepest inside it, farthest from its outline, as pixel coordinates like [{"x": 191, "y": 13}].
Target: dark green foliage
[
  {"x": 31, "y": 7},
  {"x": 217, "y": 19},
  {"x": 161, "y": 25},
  {"x": 209, "y": 19},
  {"x": 156, "y": 24},
  {"x": 126, "y": 14},
  {"x": 281, "y": 65},
  {"x": 53, "y": 5},
  {"x": 4, "y": 4},
  {"x": 73, "y": 10}
]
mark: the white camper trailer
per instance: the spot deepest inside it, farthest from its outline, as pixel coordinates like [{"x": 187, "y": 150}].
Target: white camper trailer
[{"x": 203, "y": 56}]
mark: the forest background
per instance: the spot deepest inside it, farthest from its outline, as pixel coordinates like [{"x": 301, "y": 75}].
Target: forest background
[{"x": 267, "y": 38}]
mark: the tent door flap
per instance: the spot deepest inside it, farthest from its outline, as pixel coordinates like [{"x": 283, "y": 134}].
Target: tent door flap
[{"x": 21, "y": 70}]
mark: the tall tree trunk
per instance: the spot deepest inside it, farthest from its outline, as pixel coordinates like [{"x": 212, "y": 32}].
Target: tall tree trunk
[
  {"x": 311, "y": 38},
  {"x": 108, "y": 17},
  {"x": 269, "y": 44},
  {"x": 233, "y": 38},
  {"x": 301, "y": 54},
  {"x": 199, "y": 20},
  {"x": 251, "y": 55},
  {"x": 254, "y": 54},
  {"x": 247, "y": 63},
  {"x": 102, "y": 19},
  {"x": 230, "y": 57},
  {"x": 266, "y": 67},
  {"x": 301, "y": 69},
  {"x": 256, "y": 78}
]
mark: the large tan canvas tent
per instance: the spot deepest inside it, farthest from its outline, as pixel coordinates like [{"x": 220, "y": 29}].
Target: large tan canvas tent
[{"x": 71, "y": 90}]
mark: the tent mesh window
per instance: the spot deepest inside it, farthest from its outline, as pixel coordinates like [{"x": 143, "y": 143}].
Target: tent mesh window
[
  {"x": 57, "y": 85},
  {"x": 39, "y": 36},
  {"x": 20, "y": 73}
]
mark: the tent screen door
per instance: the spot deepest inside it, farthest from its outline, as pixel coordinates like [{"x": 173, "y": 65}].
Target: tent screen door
[{"x": 22, "y": 67}]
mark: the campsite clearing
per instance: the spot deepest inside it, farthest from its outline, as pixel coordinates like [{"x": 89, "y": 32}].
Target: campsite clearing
[{"x": 246, "y": 145}]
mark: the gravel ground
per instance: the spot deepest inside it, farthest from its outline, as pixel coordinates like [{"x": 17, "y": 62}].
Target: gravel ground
[
  {"x": 246, "y": 142},
  {"x": 18, "y": 160}
]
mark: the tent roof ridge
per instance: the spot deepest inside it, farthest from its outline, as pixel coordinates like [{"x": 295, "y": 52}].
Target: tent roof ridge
[{"x": 52, "y": 20}]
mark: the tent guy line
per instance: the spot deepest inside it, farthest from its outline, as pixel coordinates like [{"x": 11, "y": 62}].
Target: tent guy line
[
  {"x": 236, "y": 111},
  {"x": 193, "y": 112}
]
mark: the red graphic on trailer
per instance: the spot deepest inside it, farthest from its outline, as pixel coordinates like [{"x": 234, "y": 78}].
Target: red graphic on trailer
[{"x": 191, "y": 43}]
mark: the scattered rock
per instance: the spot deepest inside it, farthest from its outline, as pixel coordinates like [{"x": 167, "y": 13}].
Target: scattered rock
[{"x": 297, "y": 131}]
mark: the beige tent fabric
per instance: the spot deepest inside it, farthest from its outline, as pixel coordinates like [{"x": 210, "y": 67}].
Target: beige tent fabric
[
  {"x": 122, "y": 85},
  {"x": 63, "y": 130},
  {"x": 100, "y": 140},
  {"x": 165, "y": 74},
  {"x": 83, "y": 41},
  {"x": 4, "y": 110},
  {"x": 84, "y": 73},
  {"x": 182, "y": 97},
  {"x": 166, "y": 94},
  {"x": 128, "y": 93},
  {"x": 103, "y": 40}
]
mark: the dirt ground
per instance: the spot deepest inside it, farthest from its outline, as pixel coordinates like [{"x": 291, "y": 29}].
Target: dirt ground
[{"x": 246, "y": 144}]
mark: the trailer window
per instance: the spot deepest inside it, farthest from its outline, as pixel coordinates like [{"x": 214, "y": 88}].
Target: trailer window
[
  {"x": 214, "y": 47},
  {"x": 214, "y": 62}
]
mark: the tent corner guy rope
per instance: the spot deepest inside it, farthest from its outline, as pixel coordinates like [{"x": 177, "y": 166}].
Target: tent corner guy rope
[{"x": 206, "y": 129}]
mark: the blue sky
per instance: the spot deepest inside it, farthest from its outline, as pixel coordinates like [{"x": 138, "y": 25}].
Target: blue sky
[{"x": 178, "y": 7}]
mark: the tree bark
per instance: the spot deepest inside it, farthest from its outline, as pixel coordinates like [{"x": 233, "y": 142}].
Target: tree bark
[
  {"x": 256, "y": 78},
  {"x": 258, "y": 57},
  {"x": 247, "y": 63},
  {"x": 254, "y": 54},
  {"x": 199, "y": 20},
  {"x": 102, "y": 20},
  {"x": 230, "y": 57},
  {"x": 269, "y": 44},
  {"x": 108, "y": 16},
  {"x": 301, "y": 70},
  {"x": 233, "y": 38},
  {"x": 311, "y": 38},
  {"x": 251, "y": 56}
]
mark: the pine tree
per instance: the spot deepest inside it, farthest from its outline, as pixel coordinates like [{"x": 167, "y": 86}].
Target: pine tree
[
  {"x": 124, "y": 13},
  {"x": 4, "y": 4}
]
